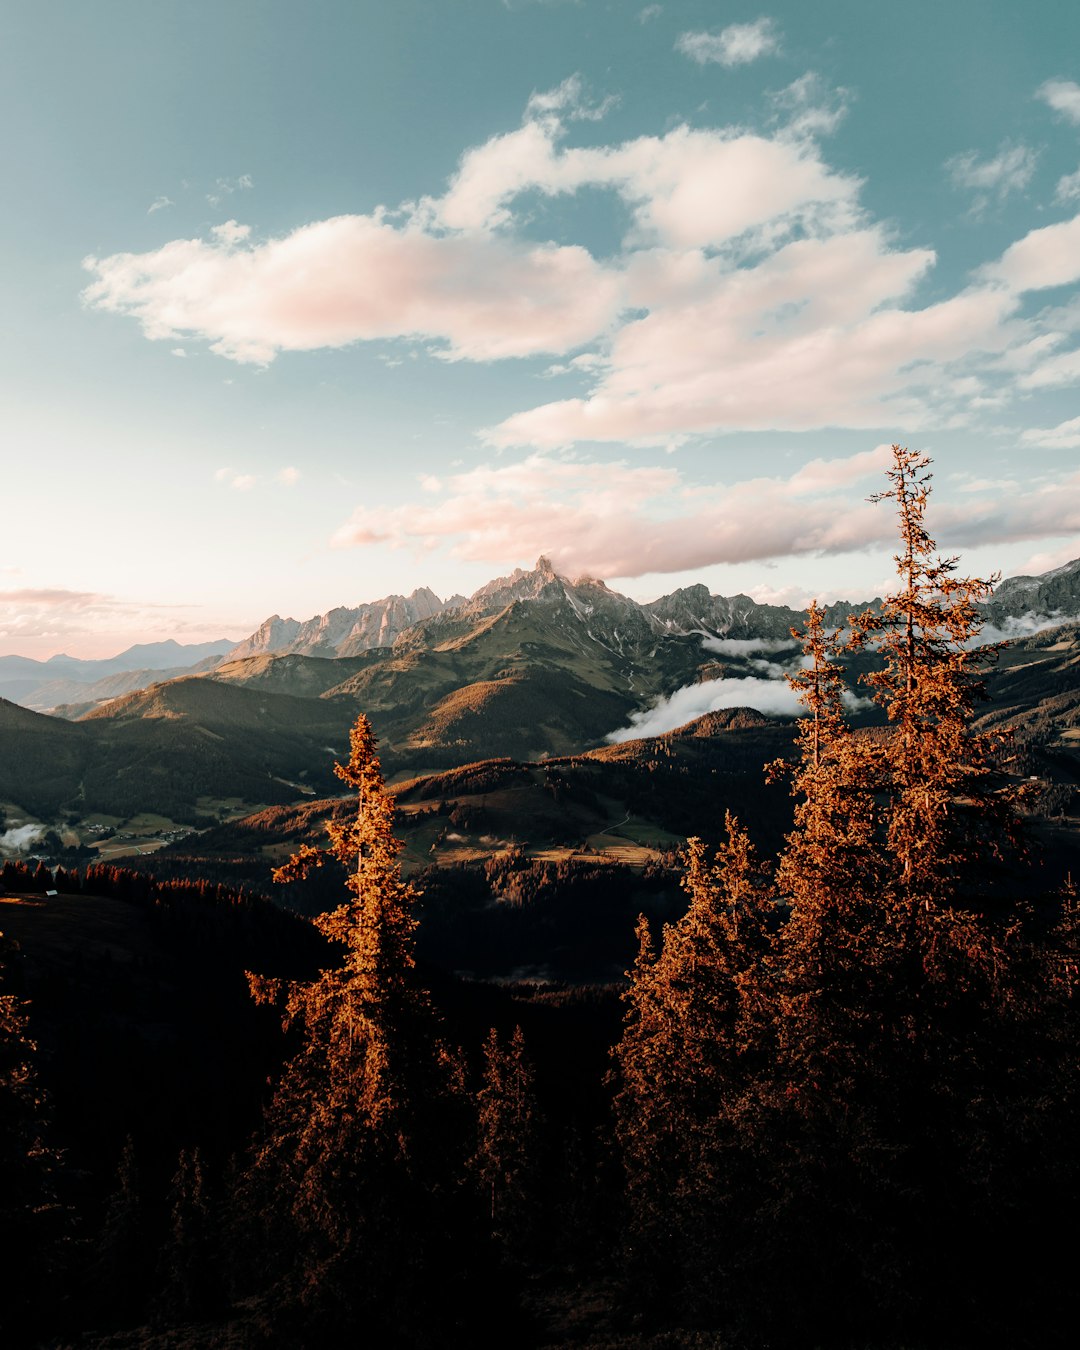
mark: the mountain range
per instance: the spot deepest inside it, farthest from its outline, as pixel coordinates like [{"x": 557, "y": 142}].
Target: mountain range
[
  {"x": 423, "y": 620},
  {"x": 531, "y": 666}
]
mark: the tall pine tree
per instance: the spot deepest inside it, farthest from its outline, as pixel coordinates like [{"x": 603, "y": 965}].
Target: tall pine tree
[{"x": 356, "y": 1168}]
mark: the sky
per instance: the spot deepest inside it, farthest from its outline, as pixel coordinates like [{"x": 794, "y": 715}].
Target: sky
[{"x": 307, "y": 304}]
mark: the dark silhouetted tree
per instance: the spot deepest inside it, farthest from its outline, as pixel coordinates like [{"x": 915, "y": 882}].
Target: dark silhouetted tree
[
  {"x": 505, "y": 1164},
  {"x": 191, "y": 1267},
  {"x": 31, "y": 1219}
]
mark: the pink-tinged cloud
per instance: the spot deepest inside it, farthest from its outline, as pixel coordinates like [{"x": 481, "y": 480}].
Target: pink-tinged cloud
[
  {"x": 751, "y": 290},
  {"x": 810, "y": 337},
  {"x": 1046, "y": 257},
  {"x": 359, "y": 278},
  {"x": 46, "y": 598},
  {"x": 1065, "y": 436},
  {"x": 688, "y": 188},
  {"x": 613, "y": 520}
]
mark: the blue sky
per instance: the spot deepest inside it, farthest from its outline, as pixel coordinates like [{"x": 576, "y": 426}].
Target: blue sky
[{"x": 311, "y": 303}]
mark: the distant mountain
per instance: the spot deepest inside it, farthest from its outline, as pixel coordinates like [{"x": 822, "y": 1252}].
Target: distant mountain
[
  {"x": 44, "y": 685},
  {"x": 1053, "y": 594},
  {"x": 423, "y": 621},
  {"x": 341, "y": 632}
]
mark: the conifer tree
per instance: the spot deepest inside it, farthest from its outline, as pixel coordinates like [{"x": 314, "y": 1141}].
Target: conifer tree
[
  {"x": 356, "y": 1163},
  {"x": 30, "y": 1217},
  {"x": 831, "y": 871},
  {"x": 695, "y": 1035},
  {"x": 121, "y": 1270},
  {"x": 940, "y": 810},
  {"x": 508, "y": 1132},
  {"x": 191, "y": 1274}
]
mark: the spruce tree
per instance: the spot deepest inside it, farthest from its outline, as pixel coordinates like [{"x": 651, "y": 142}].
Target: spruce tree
[
  {"x": 943, "y": 820},
  {"x": 191, "y": 1261},
  {"x": 696, "y": 1033},
  {"x": 356, "y": 1166},
  {"x": 121, "y": 1271},
  {"x": 31, "y": 1220},
  {"x": 505, "y": 1164}
]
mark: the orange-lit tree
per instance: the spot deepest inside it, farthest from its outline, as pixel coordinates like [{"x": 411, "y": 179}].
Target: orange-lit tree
[
  {"x": 357, "y": 1152},
  {"x": 694, "y": 1038},
  {"x": 940, "y": 810}
]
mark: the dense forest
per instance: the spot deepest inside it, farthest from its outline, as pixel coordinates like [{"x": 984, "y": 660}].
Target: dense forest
[{"x": 834, "y": 1102}]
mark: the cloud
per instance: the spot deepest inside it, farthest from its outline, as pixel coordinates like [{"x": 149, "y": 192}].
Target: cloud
[
  {"x": 289, "y": 476},
  {"x": 351, "y": 278},
  {"x": 45, "y": 598},
  {"x": 570, "y": 100},
  {"x": 1046, "y": 257},
  {"x": 1063, "y": 96},
  {"x": 20, "y": 838},
  {"x": 1018, "y": 626},
  {"x": 746, "y": 646},
  {"x": 1068, "y": 187},
  {"x": 1062, "y": 369},
  {"x": 809, "y": 107},
  {"x": 687, "y": 189},
  {"x": 736, "y": 45},
  {"x": 52, "y": 614},
  {"x": 159, "y": 204},
  {"x": 1048, "y": 561},
  {"x": 242, "y": 482},
  {"x": 812, "y": 336},
  {"x": 225, "y": 187},
  {"x": 773, "y": 697},
  {"x": 609, "y": 519},
  {"x": 751, "y": 289},
  {"x": 650, "y": 12},
  {"x": 1008, "y": 171},
  {"x": 1065, "y": 436}
]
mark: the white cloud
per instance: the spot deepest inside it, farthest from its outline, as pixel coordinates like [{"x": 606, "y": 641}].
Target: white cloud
[
  {"x": 570, "y": 100},
  {"x": 688, "y": 188},
  {"x": 751, "y": 290},
  {"x": 650, "y": 12},
  {"x": 1065, "y": 436},
  {"x": 1068, "y": 187},
  {"x": 608, "y": 519},
  {"x": 242, "y": 482},
  {"x": 225, "y": 187},
  {"x": 1017, "y": 626},
  {"x": 736, "y": 45},
  {"x": 1062, "y": 369},
  {"x": 1049, "y": 560},
  {"x": 1008, "y": 171},
  {"x": 43, "y": 617},
  {"x": 809, "y": 107},
  {"x": 359, "y": 277},
  {"x": 1063, "y": 96},
  {"x": 1046, "y": 257},
  {"x": 812, "y": 336},
  {"x": 773, "y": 697},
  {"x": 159, "y": 204},
  {"x": 746, "y": 646},
  {"x": 20, "y": 838}
]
